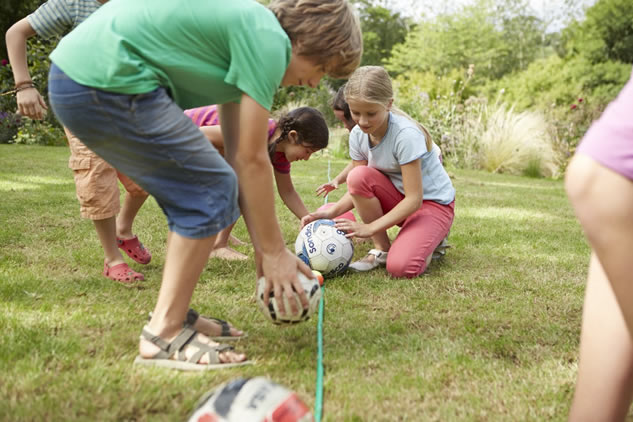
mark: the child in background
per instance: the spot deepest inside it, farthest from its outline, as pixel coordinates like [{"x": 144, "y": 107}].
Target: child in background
[
  {"x": 121, "y": 82},
  {"x": 599, "y": 183},
  {"x": 397, "y": 179},
  {"x": 295, "y": 136},
  {"x": 95, "y": 180},
  {"x": 341, "y": 112}
]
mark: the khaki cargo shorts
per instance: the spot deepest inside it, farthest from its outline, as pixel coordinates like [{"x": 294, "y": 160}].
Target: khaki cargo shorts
[{"x": 96, "y": 182}]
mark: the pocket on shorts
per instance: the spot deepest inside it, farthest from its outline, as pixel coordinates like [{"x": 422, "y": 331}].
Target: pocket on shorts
[{"x": 79, "y": 163}]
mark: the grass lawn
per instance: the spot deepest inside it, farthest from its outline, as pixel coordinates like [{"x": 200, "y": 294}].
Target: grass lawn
[{"x": 489, "y": 333}]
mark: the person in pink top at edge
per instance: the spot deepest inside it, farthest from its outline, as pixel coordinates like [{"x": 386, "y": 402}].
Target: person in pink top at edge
[
  {"x": 599, "y": 183},
  {"x": 295, "y": 136}
]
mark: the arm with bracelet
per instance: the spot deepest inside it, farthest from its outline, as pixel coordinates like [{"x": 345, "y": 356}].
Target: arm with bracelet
[{"x": 30, "y": 102}]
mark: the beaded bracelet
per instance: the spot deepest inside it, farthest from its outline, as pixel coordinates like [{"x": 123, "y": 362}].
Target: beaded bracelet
[
  {"x": 22, "y": 88},
  {"x": 18, "y": 85}
]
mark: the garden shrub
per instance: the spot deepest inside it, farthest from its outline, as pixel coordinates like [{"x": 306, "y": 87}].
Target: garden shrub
[
  {"x": 9, "y": 123},
  {"x": 33, "y": 132},
  {"x": 38, "y": 51}
]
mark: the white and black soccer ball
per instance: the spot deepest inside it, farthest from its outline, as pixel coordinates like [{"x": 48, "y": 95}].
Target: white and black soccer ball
[
  {"x": 324, "y": 248},
  {"x": 254, "y": 400},
  {"x": 271, "y": 312}
]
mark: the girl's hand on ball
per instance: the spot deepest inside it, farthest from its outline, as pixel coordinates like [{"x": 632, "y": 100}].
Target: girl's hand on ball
[
  {"x": 313, "y": 216},
  {"x": 353, "y": 228}
]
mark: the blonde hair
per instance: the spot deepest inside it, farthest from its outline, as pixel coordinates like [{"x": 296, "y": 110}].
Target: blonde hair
[
  {"x": 372, "y": 84},
  {"x": 326, "y": 30}
]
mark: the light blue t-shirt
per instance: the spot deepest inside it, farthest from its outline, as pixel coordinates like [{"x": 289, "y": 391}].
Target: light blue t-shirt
[{"x": 403, "y": 142}]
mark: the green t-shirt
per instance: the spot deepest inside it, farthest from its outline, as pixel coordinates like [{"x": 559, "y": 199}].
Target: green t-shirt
[{"x": 203, "y": 52}]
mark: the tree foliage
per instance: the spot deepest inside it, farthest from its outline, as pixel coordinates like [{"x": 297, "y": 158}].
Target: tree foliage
[
  {"x": 605, "y": 34},
  {"x": 498, "y": 37},
  {"x": 12, "y": 11},
  {"x": 382, "y": 29}
]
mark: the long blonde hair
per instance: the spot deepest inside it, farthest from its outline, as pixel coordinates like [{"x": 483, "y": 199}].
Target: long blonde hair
[{"x": 372, "y": 84}]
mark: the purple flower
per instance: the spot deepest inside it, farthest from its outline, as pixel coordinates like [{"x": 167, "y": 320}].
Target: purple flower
[
  {"x": 4, "y": 62},
  {"x": 580, "y": 100},
  {"x": 573, "y": 106}
]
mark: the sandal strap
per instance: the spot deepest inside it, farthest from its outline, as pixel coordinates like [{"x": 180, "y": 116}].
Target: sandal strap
[
  {"x": 375, "y": 252},
  {"x": 157, "y": 341},
  {"x": 226, "y": 328},
  {"x": 212, "y": 351},
  {"x": 186, "y": 337},
  {"x": 192, "y": 317}
]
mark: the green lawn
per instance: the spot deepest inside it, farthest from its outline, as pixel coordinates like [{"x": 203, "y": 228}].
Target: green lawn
[{"x": 489, "y": 333}]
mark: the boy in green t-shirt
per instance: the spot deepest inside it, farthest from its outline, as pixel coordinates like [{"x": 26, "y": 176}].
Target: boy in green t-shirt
[{"x": 120, "y": 83}]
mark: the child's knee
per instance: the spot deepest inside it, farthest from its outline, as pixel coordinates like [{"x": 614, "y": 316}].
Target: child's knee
[
  {"x": 356, "y": 175},
  {"x": 578, "y": 180},
  {"x": 358, "y": 180},
  {"x": 409, "y": 268}
]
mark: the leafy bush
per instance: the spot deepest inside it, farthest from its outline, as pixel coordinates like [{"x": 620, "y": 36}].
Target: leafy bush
[
  {"x": 319, "y": 98},
  {"x": 7, "y": 101},
  {"x": 558, "y": 82},
  {"x": 33, "y": 132},
  {"x": 38, "y": 51},
  {"x": 438, "y": 103},
  {"x": 9, "y": 124},
  {"x": 474, "y": 134},
  {"x": 571, "y": 92}
]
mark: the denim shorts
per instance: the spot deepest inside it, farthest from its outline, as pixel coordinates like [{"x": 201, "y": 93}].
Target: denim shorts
[{"x": 148, "y": 138}]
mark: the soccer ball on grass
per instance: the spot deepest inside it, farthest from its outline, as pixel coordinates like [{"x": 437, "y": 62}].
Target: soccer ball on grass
[{"x": 324, "y": 248}]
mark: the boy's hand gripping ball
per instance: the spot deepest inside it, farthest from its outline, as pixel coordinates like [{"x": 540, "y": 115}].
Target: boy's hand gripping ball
[{"x": 271, "y": 312}]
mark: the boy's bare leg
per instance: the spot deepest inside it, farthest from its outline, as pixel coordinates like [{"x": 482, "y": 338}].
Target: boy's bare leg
[
  {"x": 130, "y": 208},
  {"x": 184, "y": 261},
  {"x": 106, "y": 230},
  {"x": 603, "y": 201}
]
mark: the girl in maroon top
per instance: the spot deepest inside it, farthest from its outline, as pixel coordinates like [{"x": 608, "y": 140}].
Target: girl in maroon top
[{"x": 295, "y": 136}]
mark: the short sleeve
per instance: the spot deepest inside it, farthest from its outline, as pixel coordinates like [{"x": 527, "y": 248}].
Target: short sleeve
[
  {"x": 410, "y": 145},
  {"x": 51, "y": 19},
  {"x": 258, "y": 62},
  {"x": 280, "y": 163},
  {"x": 355, "y": 147}
]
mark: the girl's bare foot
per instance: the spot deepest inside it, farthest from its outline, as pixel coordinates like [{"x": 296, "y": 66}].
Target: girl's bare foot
[
  {"x": 236, "y": 242},
  {"x": 228, "y": 254}
]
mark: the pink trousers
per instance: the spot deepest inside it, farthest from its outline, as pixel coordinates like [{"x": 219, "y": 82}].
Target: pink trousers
[{"x": 420, "y": 232}]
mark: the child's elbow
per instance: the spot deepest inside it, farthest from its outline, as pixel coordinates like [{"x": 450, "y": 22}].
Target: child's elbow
[{"x": 18, "y": 32}]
